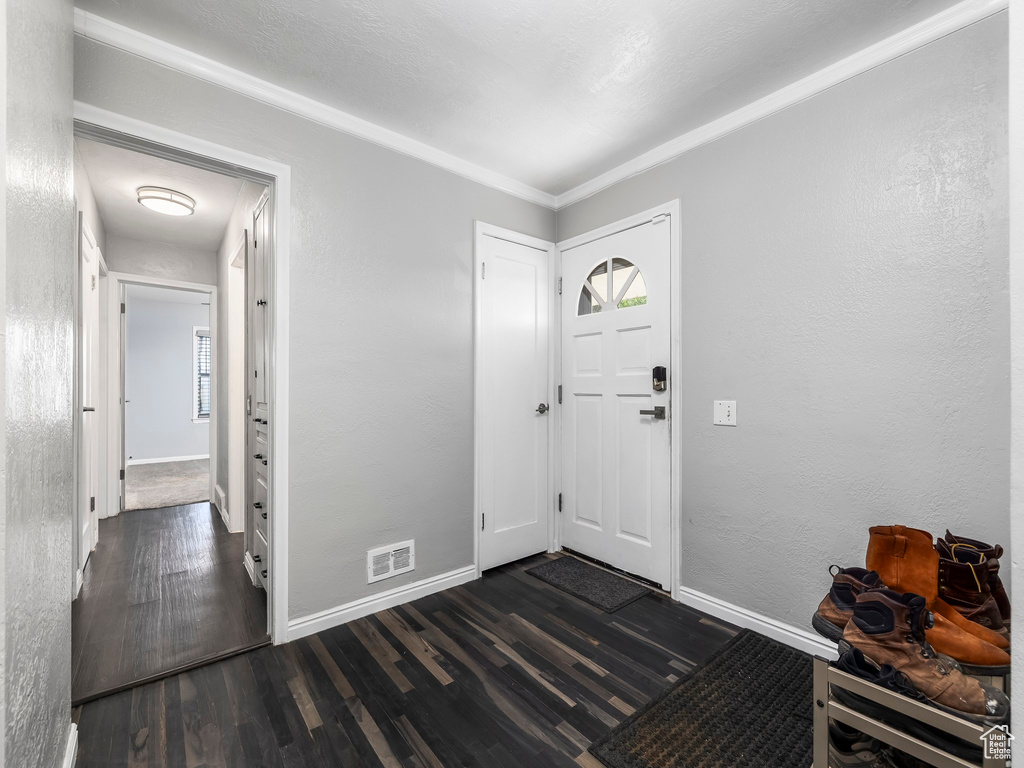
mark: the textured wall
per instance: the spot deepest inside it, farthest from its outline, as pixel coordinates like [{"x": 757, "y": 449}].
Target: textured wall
[
  {"x": 86, "y": 201},
  {"x": 169, "y": 262},
  {"x": 158, "y": 379},
  {"x": 38, "y": 346},
  {"x": 845, "y": 280},
  {"x": 381, "y": 327}
]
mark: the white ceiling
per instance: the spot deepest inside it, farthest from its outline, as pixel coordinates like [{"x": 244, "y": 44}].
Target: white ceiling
[
  {"x": 115, "y": 174},
  {"x": 548, "y": 92},
  {"x": 172, "y": 295}
]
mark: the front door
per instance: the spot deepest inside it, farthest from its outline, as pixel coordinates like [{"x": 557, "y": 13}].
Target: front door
[
  {"x": 514, "y": 404},
  {"x": 88, "y": 382},
  {"x": 615, "y": 421}
]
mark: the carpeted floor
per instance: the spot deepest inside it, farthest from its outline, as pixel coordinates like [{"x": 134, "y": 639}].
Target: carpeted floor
[{"x": 167, "y": 484}]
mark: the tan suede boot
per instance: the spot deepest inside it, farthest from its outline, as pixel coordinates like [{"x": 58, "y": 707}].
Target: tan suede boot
[
  {"x": 906, "y": 560},
  {"x": 889, "y": 628}
]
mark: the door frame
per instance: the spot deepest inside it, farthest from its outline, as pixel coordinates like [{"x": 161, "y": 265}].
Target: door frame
[
  {"x": 672, "y": 209},
  {"x": 115, "y": 395},
  {"x": 480, "y": 231},
  {"x": 121, "y": 130}
]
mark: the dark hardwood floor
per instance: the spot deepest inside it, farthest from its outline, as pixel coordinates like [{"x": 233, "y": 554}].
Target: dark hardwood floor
[
  {"x": 504, "y": 671},
  {"x": 163, "y": 589}
]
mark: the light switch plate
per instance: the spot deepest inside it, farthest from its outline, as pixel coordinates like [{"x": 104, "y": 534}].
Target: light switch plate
[{"x": 725, "y": 413}]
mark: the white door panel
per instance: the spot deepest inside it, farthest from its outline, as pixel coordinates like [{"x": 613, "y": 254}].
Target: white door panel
[
  {"x": 514, "y": 383},
  {"x": 615, "y": 458},
  {"x": 88, "y": 382}
]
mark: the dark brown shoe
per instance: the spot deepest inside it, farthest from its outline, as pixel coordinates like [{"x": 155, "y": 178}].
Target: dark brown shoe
[
  {"x": 837, "y": 608},
  {"x": 889, "y": 628},
  {"x": 964, "y": 583},
  {"x": 992, "y": 554}
]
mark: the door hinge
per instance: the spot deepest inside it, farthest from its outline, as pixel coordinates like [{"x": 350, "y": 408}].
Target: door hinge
[
  {"x": 122, "y": 475},
  {"x": 122, "y": 307},
  {"x": 559, "y": 286},
  {"x": 483, "y": 270},
  {"x": 482, "y": 517},
  {"x": 559, "y": 502},
  {"x": 92, "y": 503},
  {"x": 559, "y": 394}
]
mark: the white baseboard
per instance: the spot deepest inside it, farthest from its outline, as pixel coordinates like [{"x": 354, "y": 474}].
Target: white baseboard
[
  {"x": 166, "y": 459},
  {"x": 71, "y": 751},
  {"x": 221, "y": 500},
  {"x": 250, "y": 568},
  {"x": 332, "y": 617},
  {"x": 801, "y": 639}
]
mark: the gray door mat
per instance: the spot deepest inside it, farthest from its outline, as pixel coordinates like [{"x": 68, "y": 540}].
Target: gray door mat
[
  {"x": 590, "y": 583},
  {"x": 748, "y": 706}
]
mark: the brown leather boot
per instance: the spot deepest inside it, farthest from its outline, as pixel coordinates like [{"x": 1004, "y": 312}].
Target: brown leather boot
[
  {"x": 992, "y": 554},
  {"x": 907, "y": 562},
  {"x": 889, "y": 628},
  {"x": 964, "y": 584},
  {"x": 837, "y": 608}
]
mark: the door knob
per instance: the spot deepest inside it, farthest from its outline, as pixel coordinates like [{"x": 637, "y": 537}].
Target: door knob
[
  {"x": 264, "y": 515},
  {"x": 542, "y": 408},
  {"x": 257, "y": 455},
  {"x": 88, "y": 409},
  {"x": 264, "y": 572},
  {"x": 657, "y": 412}
]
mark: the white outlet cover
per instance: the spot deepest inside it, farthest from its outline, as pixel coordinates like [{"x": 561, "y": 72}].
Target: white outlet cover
[{"x": 725, "y": 413}]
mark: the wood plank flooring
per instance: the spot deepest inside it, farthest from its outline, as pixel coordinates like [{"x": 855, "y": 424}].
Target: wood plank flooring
[
  {"x": 164, "y": 588},
  {"x": 504, "y": 671}
]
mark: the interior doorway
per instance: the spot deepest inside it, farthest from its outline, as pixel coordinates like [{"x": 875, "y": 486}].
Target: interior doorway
[{"x": 169, "y": 582}]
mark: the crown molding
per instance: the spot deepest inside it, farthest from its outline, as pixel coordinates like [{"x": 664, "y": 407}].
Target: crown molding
[
  {"x": 103, "y": 31},
  {"x": 942, "y": 24}
]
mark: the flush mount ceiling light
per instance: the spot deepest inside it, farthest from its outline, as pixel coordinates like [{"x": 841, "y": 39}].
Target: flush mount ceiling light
[{"x": 166, "y": 201}]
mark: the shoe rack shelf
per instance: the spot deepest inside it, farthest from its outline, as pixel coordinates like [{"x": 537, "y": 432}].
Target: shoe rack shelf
[{"x": 827, "y": 677}]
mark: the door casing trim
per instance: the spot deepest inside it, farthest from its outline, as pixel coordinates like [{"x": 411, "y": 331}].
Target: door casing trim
[
  {"x": 190, "y": 150},
  {"x": 672, "y": 209},
  {"x": 482, "y": 230}
]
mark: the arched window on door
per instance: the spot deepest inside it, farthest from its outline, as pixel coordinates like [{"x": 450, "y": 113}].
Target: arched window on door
[{"x": 612, "y": 284}]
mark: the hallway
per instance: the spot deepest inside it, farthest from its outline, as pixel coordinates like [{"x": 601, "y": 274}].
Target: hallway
[{"x": 164, "y": 589}]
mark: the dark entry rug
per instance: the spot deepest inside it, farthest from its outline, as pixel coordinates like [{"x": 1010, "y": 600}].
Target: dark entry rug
[
  {"x": 748, "y": 706},
  {"x": 587, "y": 582}
]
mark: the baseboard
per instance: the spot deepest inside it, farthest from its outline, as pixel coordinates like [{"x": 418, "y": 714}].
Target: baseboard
[
  {"x": 801, "y": 639},
  {"x": 220, "y": 499},
  {"x": 78, "y": 582},
  {"x": 250, "y": 567},
  {"x": 71, "y": 751},
  {"x": 166, "y": 459},
  {"x": 332, "y": 617}
]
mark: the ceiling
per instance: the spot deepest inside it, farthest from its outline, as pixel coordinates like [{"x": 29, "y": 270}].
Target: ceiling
[
  {"x": 172, "y": 295},
  {"x": 548, "y": 92},
  {"x": 115, "y": 174}
]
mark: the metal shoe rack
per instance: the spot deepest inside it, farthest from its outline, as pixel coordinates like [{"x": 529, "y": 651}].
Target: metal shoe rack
[{"x": 827, "y": 677}]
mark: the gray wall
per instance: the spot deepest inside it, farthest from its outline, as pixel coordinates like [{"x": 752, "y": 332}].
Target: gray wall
[
  {"x": 845, "y": 280},
  {"x": 38, "y": 343},
  {"x": 381, "y": 437},
  {"x": 86, "y": 201},
  {"x": 151, "y": 259},
  {"x": 158, "y": 379}
]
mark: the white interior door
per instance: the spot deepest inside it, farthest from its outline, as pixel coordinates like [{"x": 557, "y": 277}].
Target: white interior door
[
  {"x": 616, "y": 460},
  {"x": 88, "y": 381},
  {"x": 514, "y": 413}
]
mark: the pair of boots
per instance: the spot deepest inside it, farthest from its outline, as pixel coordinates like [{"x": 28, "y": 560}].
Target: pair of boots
[
  {"x": 905, "y": 561},
  {"x": 969, "y": 581}
]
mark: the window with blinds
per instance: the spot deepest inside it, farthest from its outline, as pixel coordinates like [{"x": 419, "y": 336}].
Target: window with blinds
[{"x": 201, "y": 392}]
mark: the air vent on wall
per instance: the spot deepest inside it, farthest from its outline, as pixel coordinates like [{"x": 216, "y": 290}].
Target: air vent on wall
[{"x": 385, "y": 562}]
